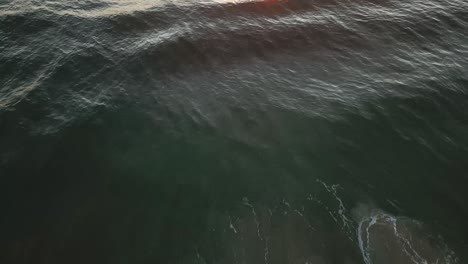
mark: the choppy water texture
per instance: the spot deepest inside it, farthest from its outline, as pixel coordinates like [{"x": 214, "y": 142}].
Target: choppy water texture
[{"x": 327, "y": 131}]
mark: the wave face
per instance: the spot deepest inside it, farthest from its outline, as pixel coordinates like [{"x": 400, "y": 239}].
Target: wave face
[{"x": 218, "y": 131}]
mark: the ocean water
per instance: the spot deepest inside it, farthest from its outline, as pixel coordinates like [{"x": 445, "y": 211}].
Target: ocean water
[{"x": 218, "y": 131}]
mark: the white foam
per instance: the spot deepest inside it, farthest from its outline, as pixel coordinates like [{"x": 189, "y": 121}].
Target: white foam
[{"x": 402, "y": 234}]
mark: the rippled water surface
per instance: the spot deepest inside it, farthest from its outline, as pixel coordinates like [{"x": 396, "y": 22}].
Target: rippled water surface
[{"x": 217, "y": 131}]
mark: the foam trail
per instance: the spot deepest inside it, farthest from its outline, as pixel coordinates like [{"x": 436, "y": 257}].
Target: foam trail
[{"x": 384, "y": 238}]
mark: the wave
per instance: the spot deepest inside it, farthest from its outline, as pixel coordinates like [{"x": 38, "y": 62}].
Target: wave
[{"x": 349, "y": 51}]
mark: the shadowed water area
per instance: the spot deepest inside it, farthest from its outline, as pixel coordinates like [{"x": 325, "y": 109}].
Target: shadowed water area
[{"x": 274, "y": 132}]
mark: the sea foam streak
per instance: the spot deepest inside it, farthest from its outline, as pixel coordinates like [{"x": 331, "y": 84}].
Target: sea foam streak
[{"x": 384, "y": 238}]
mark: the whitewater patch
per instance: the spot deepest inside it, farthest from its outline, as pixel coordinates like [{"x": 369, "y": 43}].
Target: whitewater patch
[{"x": 384, "y": 238}]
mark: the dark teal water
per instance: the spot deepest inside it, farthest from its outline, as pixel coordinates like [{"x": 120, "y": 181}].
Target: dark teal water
[{"x": 270, "y": 132}]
